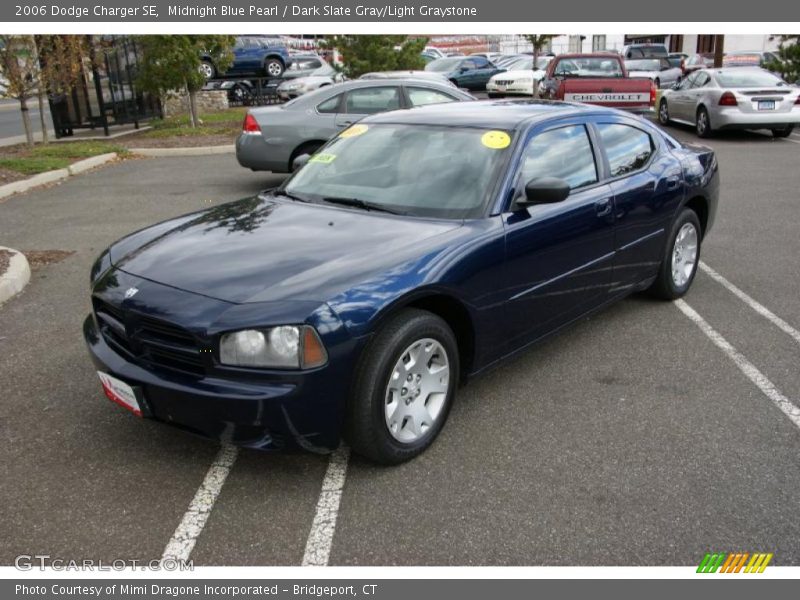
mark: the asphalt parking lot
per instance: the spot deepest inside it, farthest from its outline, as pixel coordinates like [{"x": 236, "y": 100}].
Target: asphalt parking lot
[{"x": 634, "y": 438}]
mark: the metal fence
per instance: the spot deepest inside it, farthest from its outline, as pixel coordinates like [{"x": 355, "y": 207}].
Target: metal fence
[{"x": 248, "y": 91}]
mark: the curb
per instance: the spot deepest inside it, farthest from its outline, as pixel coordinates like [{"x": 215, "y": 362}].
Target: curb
[
  {"x": 17, "y": 187},
  {"x": 90, "y": 163},
  {"x": 188, "y": 151},
  {"x": 16, "y": 277}
]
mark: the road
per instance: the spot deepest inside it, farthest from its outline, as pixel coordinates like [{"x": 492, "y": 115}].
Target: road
[
  {"x": 11, "y": 128},
  {"x": 645, "y": 435}
]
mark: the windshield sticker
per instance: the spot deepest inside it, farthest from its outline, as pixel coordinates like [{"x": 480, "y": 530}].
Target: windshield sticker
[
  {"x": 354, "y": 131},
  {"x": 496, "y": 140},
  {"x": 324, "y": 158}
]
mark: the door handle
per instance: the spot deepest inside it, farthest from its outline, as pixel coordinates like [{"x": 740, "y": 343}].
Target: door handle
[
  {"x": 345, "y": 124},
  {"x": 603, "y": 207}
]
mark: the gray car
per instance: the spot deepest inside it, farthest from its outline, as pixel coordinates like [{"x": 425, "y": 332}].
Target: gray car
[
  {"x": 273, "y": 136},
  {"x": 732, "y": 98},
  {"x": 659, "y": 70}
]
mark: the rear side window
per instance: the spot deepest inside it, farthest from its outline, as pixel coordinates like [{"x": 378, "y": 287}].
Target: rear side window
[
  {"x": 628, "y": 148},
  {"x": 372, "y": 100},
  {"x": 565, "y": 152},
  {"x": 331, "y": 105},
  {"x": 421, "y": 96}
]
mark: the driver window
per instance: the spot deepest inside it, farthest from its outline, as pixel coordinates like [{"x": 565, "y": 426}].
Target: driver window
[
  {"x": 469, "y": 65},
  {"x": 565, "y": 152}
]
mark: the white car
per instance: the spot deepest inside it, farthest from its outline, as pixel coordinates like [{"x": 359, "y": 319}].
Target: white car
[
  {"x": 292, "y": 88},
  {"x": 518, "y": 79}
]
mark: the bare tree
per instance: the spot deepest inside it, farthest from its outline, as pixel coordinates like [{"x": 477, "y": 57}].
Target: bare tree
[
  {"x": 61, "y": 63},
  {"x": 19, "y": 67}
]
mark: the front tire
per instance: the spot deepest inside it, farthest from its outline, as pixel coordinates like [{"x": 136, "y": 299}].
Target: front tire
[
  {"x": 663, "y": 112},
  {"x": 207, "y": 69},
  {"x": 783, "y": 133},
  {"x": 404, "y": 387},
  {"x": 702, "y": 124},
  {"x": 680, "y": 259}
]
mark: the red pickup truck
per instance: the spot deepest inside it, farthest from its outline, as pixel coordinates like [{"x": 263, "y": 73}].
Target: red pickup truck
[{"x": 598, "y": 78}]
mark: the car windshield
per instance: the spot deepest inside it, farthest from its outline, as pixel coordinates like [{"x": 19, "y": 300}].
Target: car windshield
[
  {"x": 418, "y": 170},
  {"x": 526, "y": 64},
  {"x": 748, "y": 78},
  {"x": 642, "y": 65},
  {"x": 443, "y": 64},
  {"x": 589, "y": 67}
]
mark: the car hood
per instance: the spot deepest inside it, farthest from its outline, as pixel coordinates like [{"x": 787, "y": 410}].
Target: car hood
[
  {"x": 271, "y": 249},
  {"x": 538, "y": 74},
  {"x": 307, "y": 80}
]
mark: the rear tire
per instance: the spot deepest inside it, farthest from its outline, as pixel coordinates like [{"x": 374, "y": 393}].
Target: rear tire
[
  {"x": 680, "y": 259},
  {"x": 702, "y": 123},
  {"x": 663, "y": 112},
  {"x": 273, "y": 67},
  {"x": 398, "y": 406},
  {"x": 782, "y": 133}
]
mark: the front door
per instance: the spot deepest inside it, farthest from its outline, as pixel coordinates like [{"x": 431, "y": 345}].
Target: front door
[{"x": 558, "y": 256}]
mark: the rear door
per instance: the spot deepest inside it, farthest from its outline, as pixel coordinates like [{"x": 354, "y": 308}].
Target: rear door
[
  {"x": 360, "y": 102},
  {"x": 647, "y": 185},
  {"x": 417, "y": 95},
  {"x": 558, "y": 256}
]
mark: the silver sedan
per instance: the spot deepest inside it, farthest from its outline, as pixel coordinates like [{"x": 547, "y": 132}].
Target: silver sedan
[
  {"x": 732, "y": 98},
  {"x": 273, "y": 136}
]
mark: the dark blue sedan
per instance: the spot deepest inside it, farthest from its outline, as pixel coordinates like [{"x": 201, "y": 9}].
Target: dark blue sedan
[
  {"x": 416, "y": 249},
  {"x": 468, "y": 72}
]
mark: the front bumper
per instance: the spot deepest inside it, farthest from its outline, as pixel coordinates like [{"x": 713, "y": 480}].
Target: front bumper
[{"x": 302, "y": 411}]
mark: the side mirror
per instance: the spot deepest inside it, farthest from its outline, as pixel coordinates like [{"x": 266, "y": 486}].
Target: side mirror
[
  {"x": 677, "y": 84},
  {"x": 298, "y": 162},
  {"x": 544, "y": 190}
]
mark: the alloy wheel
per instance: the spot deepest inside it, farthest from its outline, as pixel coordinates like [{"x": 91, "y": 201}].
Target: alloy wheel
[
  {"x": 684, "y": 254},
  {"x": 417, "y": 390}
]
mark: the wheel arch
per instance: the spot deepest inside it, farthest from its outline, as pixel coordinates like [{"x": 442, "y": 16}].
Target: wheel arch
[
  {"x": 450, "y": 309},
  {"x": 699, "y": 204},
  {"x": 297, "y": 151}
]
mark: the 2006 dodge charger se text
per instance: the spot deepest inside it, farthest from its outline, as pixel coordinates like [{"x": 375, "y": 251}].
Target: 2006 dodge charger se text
[{"x": 415, "y": 249}]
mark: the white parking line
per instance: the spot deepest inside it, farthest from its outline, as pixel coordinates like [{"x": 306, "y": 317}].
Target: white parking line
[
  {"x": 752, "y": 303},
  {"x": 320, "y": 538},
  {"x": 786, "y": 406},
  {"x": 182, "y": 543}
]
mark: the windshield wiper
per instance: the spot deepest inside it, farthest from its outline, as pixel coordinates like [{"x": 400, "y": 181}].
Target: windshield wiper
[
  {"x": 292, "y": 196},
  {"x": 362, "y": 204}
]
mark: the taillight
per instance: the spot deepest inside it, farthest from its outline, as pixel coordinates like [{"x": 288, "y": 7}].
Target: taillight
[
  {"x": 652, "y": 93},
  {"x": 797, "y": 101},
  {"x": 728, "y": 99},
  {"x": 250, "y": 124}
]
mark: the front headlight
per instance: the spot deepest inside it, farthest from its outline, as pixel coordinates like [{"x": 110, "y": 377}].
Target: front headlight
[{"x": 284, "y": 347}]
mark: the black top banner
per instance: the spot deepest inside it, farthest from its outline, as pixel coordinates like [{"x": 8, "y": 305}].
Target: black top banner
[{"x": 334, "y": 11}]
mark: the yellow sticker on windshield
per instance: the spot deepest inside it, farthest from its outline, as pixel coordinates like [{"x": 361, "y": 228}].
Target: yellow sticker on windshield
[
  {"x": 323, "y": 157},
  {"x": 496, "y": 140},
  {"x": 354, "y": 131}
]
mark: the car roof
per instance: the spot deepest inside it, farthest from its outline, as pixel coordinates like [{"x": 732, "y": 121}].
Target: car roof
[{"x": 500, "y": 114}]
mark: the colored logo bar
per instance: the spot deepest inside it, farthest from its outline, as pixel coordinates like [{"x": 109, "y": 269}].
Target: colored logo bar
[{"x": 734, "y": 562}]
